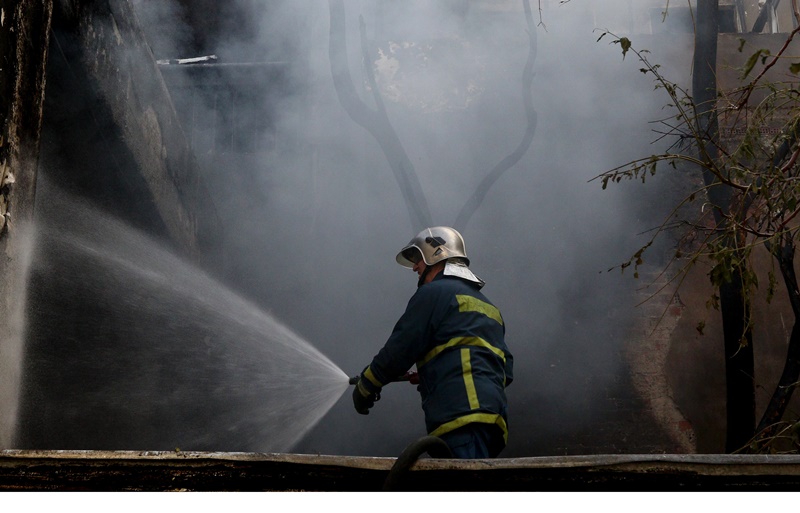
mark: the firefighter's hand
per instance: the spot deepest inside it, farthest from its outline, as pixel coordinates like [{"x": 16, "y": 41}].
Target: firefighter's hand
[{"x": 363, "y": 400}]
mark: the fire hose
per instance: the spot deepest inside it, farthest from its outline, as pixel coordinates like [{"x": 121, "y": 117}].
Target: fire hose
[
  {"x": 410, "y": 376},
  {"x": 432, "y": 445}
]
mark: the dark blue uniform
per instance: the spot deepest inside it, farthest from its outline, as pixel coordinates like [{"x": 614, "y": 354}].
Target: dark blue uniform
[{"x": 456, "y": 337}]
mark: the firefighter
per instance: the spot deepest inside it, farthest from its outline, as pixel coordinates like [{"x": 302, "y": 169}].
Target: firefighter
[{"x": 456, "y": 338}]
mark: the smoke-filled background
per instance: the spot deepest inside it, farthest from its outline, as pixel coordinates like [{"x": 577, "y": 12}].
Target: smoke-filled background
[{"x": 313, "y": 216}]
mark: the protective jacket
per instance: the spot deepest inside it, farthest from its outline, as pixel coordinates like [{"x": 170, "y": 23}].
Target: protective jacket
[{"x": 456, "y": 338}]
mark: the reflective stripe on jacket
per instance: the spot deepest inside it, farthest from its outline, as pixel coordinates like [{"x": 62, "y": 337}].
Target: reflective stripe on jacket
[{"x": 456, "y": 337}]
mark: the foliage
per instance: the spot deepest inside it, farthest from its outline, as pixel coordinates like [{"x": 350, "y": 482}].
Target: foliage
[
  {"x": 750, "y": 198},
  {"x": 757, "y": 170},
  {"x": 783, "y": 437}
]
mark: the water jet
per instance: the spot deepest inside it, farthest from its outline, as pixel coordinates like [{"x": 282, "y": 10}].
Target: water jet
[{"x": 132, "y": 347}]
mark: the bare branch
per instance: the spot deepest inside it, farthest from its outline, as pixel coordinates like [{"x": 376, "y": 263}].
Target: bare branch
[
  {"x": 510, "y": 160},
  {"x": 375, "y": 122},
  {"x": 750, "y": 87}
]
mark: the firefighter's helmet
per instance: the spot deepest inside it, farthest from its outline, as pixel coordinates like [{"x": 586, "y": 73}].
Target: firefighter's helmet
[{"x": 434, "y": 245}]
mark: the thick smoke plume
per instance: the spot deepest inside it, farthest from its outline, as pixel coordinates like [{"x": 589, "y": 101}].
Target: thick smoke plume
[{"x": 314, "y": 216}]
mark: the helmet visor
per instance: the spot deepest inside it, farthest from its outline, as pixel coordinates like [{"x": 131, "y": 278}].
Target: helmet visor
[{"x": 409, "y": 257}]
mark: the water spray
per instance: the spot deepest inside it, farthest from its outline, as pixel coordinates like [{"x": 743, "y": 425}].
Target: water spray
[{"x": 171, "y": 354}]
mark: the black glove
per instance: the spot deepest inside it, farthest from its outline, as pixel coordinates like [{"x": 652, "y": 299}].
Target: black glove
[{"x": 363, "y": 402}]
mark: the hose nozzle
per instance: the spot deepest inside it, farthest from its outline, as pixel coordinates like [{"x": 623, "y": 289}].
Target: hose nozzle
[{"x": 410, "y": 376}]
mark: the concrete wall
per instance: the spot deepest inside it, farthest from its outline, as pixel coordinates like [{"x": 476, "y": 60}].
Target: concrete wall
[
  {"x": 99, "y": 45},
  {"x": 120, "y": 66}
]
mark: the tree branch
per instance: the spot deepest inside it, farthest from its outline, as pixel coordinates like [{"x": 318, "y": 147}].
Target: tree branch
[
  {"x": 375, "y": 122},
  {"x": 474, "y": 201},
  {"x": 791, "y": 370},
  {"x": 751, "y": 86}
]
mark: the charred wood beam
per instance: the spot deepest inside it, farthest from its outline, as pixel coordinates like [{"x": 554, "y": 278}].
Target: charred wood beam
[
  {"x": 764, "y": 14},
  {"x": 154, "y": 471}
]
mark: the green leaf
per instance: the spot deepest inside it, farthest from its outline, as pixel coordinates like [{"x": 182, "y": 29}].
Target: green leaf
[
  {"x": 625, "y": 43},
  {"x": 794, "y": 68},
  {"x": 700, "y": 327},
  {"x": 751, "y": 61},
  {"x": 773, "y": 283}
]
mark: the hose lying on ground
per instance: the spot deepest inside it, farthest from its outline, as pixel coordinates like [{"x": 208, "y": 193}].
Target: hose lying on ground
[{"x": 434, "y": 446}]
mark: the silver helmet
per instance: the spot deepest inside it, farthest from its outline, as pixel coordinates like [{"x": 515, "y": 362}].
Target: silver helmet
[{"x": 434, "y": 245}]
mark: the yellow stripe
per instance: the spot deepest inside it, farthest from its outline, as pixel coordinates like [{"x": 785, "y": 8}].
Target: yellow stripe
[
  {"x": 362, "y": 389},
  {"x": 371, "y": 377},
  {"x": 473, "y": 304},
  {"x": 460, "y": 341},
  {"x": 483, "y": 418},
  {"x": 469, "y": 383}
]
